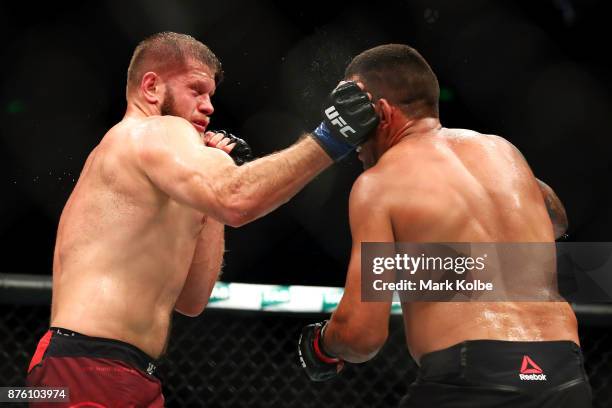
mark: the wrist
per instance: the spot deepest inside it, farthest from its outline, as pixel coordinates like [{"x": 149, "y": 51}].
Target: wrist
[
  {"x": 336, "y": 148},
  {"x": 319, "y": 347}
]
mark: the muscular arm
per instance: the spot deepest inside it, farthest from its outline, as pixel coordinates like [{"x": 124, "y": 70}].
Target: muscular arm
[
  {"x": 357, "y": 330},
  {"x": 204, "y": 270},
  {"x": 555, "y": 208},
  {"x": 176, "y": 161}
]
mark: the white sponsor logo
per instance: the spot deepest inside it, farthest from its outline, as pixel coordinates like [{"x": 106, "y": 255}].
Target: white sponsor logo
[
  {"x": 337, "y": 120},
  {"x": 532, "y": 377}
]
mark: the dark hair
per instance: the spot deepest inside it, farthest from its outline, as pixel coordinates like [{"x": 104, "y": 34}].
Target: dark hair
[
  {"x": 166, "y": 50},
  {"x": 399, "y": 74}
]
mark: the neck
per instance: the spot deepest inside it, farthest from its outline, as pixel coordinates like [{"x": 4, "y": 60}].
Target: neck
[
  {"x": 412, "y": 129},
  {"x": 137, "y": 109}
]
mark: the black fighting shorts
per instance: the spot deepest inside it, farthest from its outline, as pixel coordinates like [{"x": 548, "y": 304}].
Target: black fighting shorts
[{"x": 492, "y": 373}]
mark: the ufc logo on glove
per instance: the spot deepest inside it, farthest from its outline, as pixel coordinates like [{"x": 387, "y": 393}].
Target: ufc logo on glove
[{"x": 335, "y": 118}]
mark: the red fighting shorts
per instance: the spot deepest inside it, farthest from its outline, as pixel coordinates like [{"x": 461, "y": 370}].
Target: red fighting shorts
[{"x": 98, "y": 372}]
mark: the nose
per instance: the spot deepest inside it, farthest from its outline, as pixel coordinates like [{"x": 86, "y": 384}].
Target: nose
[{"x": 205, "y": 105}]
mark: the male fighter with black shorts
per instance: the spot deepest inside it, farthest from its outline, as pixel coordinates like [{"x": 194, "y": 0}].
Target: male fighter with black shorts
[
  {"x": 142, "y": 233},
  {"x": 425, "y": 183}
]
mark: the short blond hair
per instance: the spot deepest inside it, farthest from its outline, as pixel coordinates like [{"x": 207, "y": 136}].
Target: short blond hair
[{"x": 166, "y": 50}]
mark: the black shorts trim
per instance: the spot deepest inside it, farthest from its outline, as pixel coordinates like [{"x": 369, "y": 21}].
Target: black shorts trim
[
  {"x": 68, "y": 343},
  {"x": 496, "y": 373}
]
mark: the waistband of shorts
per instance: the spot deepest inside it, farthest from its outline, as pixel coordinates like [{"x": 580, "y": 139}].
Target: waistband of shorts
[
  {"x": 68, "y": 343},
  {"x": 492, "y": 354}
]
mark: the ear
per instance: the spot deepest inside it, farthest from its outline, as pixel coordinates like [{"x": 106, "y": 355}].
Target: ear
[
  {"x": 385, "y": 112},
  {"x": 151, "y": 87}
]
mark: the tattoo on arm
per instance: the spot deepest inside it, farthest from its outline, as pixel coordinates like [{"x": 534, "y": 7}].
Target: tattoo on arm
[{"x": 555, "y": 209}]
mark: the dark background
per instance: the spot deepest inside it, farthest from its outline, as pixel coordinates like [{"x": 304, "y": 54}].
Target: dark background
[{"x": 535, "y": 72}]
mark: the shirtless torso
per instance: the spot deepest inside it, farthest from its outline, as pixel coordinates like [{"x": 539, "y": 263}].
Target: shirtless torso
[
  {"x": 124, "y": 247},
  {"x": 461, "y": 186}
]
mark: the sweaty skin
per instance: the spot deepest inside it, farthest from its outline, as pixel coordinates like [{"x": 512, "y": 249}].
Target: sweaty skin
[
  {"x": 445, "y": 185},
  {"x": 124, "y": 247},
  {"x": 487, "y": 177},
  {"x": 142, "y": 233}
]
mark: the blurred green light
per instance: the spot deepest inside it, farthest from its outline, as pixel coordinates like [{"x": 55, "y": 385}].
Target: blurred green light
[
  {"x": 15, "y": 106},
  {"x": 446, "y": 95}
]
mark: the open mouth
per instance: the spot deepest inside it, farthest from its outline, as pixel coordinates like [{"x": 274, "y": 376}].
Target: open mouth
[{"x": 200, "y": 125}]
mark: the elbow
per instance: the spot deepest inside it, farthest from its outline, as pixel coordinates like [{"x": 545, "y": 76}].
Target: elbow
[
  {"x": 236, "y": 213},
  {"x": 237, "y": 216},
  {"x": 226, "y": 200},
  {"x": 560, "y": 228},
  {"x": 238, "y": 209}
]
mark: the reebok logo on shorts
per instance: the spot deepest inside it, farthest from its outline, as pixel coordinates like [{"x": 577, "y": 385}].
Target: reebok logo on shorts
[{"x": 530, "y": 371}]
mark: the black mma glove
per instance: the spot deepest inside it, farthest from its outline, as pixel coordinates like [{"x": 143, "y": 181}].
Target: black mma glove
[
  {"x": 241, "y": 153},
  {"x": 319, "y": 366},
  {"x": 348, "y": 120}
]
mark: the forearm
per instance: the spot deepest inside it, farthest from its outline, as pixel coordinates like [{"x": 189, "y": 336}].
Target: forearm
[
  {"x": 350, "y": 344},
  {"x": 204, "y": 270},
  {"x": 257, "y": 188},
  {"x": 555, "y": 209}
]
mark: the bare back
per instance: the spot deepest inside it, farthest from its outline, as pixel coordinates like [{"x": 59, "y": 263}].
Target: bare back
[
  {"x": 123, "y": 247},
  {"x": 468, "y": 187}
]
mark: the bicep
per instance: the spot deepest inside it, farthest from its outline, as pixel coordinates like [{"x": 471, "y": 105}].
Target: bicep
[{"x": 178, "y": 164}]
